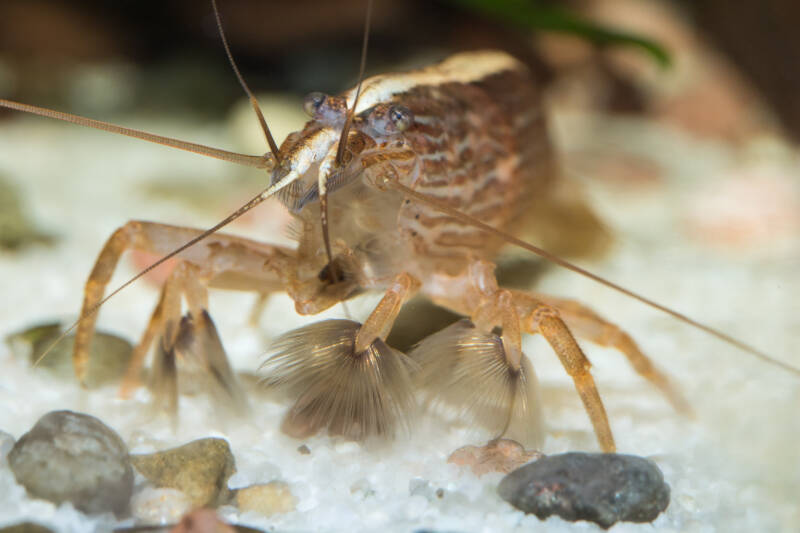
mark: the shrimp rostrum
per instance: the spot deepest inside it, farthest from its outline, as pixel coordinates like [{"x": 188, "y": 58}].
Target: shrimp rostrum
[{"x": 430, "y": 160}]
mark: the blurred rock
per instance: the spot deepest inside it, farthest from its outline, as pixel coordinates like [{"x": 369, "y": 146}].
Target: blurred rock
[
  {"x": 17, "y": 230},
  {"x": 268, "y": 499},
  {"x": 601, "y": 488},
  {"x": 73, "y": 457},
  {"x": 501, "y": 455},
  {"x": 26, "y": 527},
  {"x": 200, "y": 469},
  {"x": 109, "y": 355}
]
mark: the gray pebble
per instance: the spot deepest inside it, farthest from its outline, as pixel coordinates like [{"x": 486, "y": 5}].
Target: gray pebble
[
  {"x": 109, "y": 355},
  {"x": 200, "y": 469},
  {"x": 16, "y": 227},
  {"x": 73, "y": 457},
  {"x": 601, "y": 488}
]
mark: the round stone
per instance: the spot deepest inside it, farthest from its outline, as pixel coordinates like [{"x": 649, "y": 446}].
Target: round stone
[
  {"x": 200, "y": 469},
  {"x": 271, "y": 498},
  {"x": 73, "y": 457},
  {"x": 601, "y": 487}
]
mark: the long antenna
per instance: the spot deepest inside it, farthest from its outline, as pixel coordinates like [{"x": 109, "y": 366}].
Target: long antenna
[
  {"x": 322, "y": 187},
  {"x": 350, "y": 112},
  {"x": 466, "y": 219},
  {"x": 253, "y": 102},
  {"x": 257, "y": 161}
]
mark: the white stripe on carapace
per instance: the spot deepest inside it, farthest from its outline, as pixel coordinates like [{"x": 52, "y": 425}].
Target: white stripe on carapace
[{"x": 460, "y": 68}]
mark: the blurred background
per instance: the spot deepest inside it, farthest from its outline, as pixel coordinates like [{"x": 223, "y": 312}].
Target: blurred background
[
  {"x": 721, "y": 71},
  {"x": 169, "y": 56},
  {"x": 172, "y": 58}
]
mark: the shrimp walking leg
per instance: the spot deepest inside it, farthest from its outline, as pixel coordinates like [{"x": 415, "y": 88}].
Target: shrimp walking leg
[
  {"x": 586, "y": 324},
  {"x": 492, "y": 307},
  {"x": 380, "y": 321},
  {"x": 545, "y": 320},
  {"x": 220, "y": 261}
]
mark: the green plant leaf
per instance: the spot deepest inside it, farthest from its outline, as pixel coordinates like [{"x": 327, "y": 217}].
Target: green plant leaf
[{"x": 529, "y": 14}]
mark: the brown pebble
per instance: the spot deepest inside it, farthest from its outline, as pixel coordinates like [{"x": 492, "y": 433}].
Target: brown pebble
[
  {"x": 200, "y": 469},
  {"x": 271, "y": 498}
]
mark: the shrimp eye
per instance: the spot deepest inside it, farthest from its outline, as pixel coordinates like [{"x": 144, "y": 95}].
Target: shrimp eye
[
  {"x": 390, "y": 119},
  {"x": 401, "y": 117},
  {"x": 313, "y": 102}
]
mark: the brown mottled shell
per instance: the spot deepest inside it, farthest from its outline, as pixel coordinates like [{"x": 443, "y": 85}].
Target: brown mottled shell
[{"x": 478, "y": 141}]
